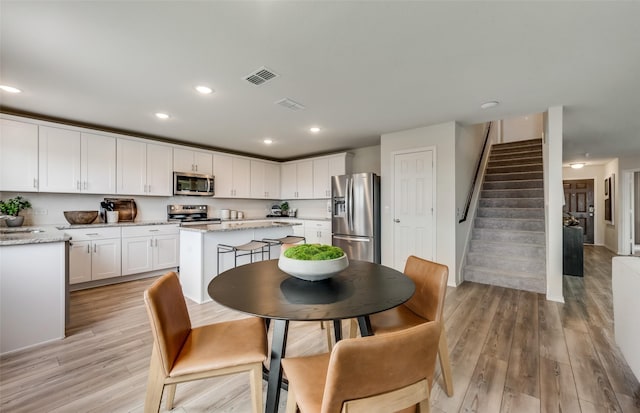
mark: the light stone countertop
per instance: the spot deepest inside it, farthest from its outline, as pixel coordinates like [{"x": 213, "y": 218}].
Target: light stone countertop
[
  {"x": 31, "y": 235},
  {"x": 238, "y": 226},
  {"x": 117, "y": 224}
]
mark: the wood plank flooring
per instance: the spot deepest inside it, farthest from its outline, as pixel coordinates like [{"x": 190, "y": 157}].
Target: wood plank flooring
[{"x": 511, "y": 351}]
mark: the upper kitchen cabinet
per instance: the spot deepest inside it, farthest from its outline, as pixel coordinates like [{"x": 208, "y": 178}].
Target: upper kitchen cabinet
[
  {"x": 144, "y": 168},
  {"x": 326, "y": 167},
  {"x": 185, "y": 160},
  {"x": 265, "y": 180},
  {"x": 297, "y": 180},
  {"x": 232, "y": 176},
  {"x": 18, "y": 156},
  {"x": 70, "y": 161}
]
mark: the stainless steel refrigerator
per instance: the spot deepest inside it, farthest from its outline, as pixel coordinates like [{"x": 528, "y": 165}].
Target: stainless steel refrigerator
[{"x": 355, "y": 215}]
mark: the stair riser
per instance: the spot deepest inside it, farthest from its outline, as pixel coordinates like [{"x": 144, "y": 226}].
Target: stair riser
[
  {"x": 507, "y": 264},
  {"x": 518, "y": 155},
  {"x": 535, "y": 141},
  {"x": 514, "y": 184},
  {"x": 515, "y": 162},
  {"x": 512, "y": 203},
  {"x": 507, "y": 249},
  {"x": 513, "y": 193},
  {"x": 534, "y": 284},
  {"x": 510, "y": 169},
  {"x": 497, "y": 150},
  {"x": 510, "y": 224},
  {"x": 531, "y": 213},
  {"x": 519, "y": 176},
  {"x": 526, "y": 237}
]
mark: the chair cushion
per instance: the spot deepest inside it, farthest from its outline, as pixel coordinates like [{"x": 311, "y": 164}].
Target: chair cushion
[
  {"x": 397, "y": 318},
  {"x": 307, "y": 377},
  {"x": 220, "y": 345}
]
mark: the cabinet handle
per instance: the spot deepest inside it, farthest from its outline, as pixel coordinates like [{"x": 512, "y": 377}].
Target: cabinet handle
[
  {"x": 196, "y": 167},
  {"x": 149, "y": 188},
  {"x": 35, "y": 182},
  {"x": 78, "y": 185},
  {"x": 93, "y": 233},
  {"x": 151, "y": 243},
  {"x": 156, "y": 242},
  {"x": 88, "y": 249},
  {"x": 95, "y": 248},
  {"x": 86, "y": 184}
]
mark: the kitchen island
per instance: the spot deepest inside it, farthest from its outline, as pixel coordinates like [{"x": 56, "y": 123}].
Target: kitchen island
[
  {"x": 198, "y": 250},
  {"x": 33, "y": 294}
]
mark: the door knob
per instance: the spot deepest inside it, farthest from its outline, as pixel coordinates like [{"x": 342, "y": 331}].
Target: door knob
[{"x": 396, "y": 221}]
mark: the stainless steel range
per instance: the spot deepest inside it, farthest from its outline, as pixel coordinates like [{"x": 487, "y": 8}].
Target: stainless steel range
[{"x": 190, "y": 214}]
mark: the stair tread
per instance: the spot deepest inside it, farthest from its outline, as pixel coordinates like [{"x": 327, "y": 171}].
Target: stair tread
[
  {"x": 506, "y": 273},
  {"x": 507, "y": 230},
  {"x": 509, "y": 243},
  {"x": 511, "y": 218}
]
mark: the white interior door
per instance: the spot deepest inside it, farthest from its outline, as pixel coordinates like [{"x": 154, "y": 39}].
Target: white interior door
[{"x": 413, "y": 207}]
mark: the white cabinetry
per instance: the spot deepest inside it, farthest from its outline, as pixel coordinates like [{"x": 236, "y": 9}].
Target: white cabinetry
[
  {"x": 70, "y": 161},
  {"x": 232, "y": 176},
  {"x": 297, "y": 180},
  {"x": 149, "y": 247},
  {"x": 144, "y": 168},
  {"x": 94, "y": 254},
  {"x": 265, "y": 180},
  {"x": 323, "y": 169},
  {"x": 18, "y": 156},
  {"x": 317, "y": 232},
  {"x": 185, "y": 160}
]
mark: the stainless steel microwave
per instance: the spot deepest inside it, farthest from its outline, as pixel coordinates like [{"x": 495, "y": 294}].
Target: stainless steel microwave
[{"x": 187, "y": 183}]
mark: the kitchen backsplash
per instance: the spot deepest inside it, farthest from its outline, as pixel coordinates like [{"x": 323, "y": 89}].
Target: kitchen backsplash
[{"x": 47, "y": 208}]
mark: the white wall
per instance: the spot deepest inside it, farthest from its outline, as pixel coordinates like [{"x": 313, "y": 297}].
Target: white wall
[
  {"x": 442, "y": 137},
  {"x": 554, "y": 195},
  {"x": 366, "y": 159},
  {"x": 469, "y": 141},
  {"x": 595, "y": 172},
  {"x": 522, "y": 128}
]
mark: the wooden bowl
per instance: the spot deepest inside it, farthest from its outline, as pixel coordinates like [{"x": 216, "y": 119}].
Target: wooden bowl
[{"x": 80, "y": 217}]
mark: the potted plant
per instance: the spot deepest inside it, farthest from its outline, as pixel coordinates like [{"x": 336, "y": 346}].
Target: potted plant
[
  {"x": 11, "y": 208},
  {"x": 284, "y": 207},
  {"x": 313, "y": 262}
]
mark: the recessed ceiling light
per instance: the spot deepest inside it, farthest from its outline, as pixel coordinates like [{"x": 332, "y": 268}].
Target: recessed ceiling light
[
  {"x": 10, "y": 89},
  {"x": 160, "y": 115},
  {"x": 314, "y": 129},
  {"x": 577, "y": 165},
  {"x": 267, "y": 141},
  {"x": 490, "y": 104},
  {"x": 204, "y": 90}
]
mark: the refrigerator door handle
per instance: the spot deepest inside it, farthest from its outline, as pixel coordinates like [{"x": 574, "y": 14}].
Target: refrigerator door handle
[
  {"x": 347, "y": 198},
  {"x": 358, "y": 239},
  {"x": 351, "y": 204}
]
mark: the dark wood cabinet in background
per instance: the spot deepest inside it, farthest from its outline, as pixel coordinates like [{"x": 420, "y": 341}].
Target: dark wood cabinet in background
[{"x": 572, "y": 261}]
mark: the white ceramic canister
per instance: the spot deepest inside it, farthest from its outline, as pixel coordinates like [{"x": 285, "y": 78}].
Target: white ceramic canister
[
  {"x": 233, "y": 214},
  {"x": 224, "y": 214},
  {"x": 240, "y": 215}
]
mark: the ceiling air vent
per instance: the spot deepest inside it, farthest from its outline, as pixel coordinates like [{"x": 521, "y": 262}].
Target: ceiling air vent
[
  {"x": 260, "y": 76},
  {"x": 290, "y": 104}
]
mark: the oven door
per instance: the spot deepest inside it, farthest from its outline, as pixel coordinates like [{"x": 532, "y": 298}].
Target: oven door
[{"x": 185, "y": 183}]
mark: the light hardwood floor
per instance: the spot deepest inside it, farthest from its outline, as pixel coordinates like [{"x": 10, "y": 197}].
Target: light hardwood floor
[{"x": 511, "y": 351}]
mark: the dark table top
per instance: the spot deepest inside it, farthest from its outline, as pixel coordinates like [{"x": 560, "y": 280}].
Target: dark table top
[{"x": 262, "y": 289}]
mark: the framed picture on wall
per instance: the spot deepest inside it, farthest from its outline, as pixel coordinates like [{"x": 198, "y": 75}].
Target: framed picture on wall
[{"x": 609, "y": 185}]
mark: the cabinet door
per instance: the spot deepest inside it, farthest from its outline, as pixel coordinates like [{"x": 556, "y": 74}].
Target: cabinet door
[
  {"x": 272, "y": 181},
  {"x": 321, "y": 185},
  {"x": 165, "y": 251},
  {"x": 258, "y": 178},
  {"x": 79, "y": 261},
  {"x": 241, "y": 178},
  {"x": 203, "y": 162},
  {"x": 183, "y": 160},
  {"x": 223, "y": 175},
  {"x": 59, "y": 160},
  {"x": 18, "y": 156},
  {"x": 137, "y": 255},
  {"x": 159, "y": 170},
  {"x": 98, "y": 161},
  {"x": 132, "y": 167},
  {"x": 299, "y": 230},
  {"x": 105, "y": 261},
  {"x": 305, "y": 179},
  {"x": 337, "y": 166},
  {"x": 325, "y": 237},
  {"x": 288, "y": 180}
]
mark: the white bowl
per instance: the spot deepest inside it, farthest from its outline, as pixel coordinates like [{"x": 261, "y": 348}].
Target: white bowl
[{"x": 312, "y": 270}]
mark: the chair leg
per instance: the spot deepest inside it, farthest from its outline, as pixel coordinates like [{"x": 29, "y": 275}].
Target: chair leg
[
  {"x": 445, "y": 364},
  {"x": 353, "y": 328},
  {"x": 292, "y": 406},
  {"x": 171, "y": 394},
  {"x": 256, "y": 388},
  {"x": 155, "y": 384},
  {"x": 329, "y": 340},
  {"x": 424, "y": 406}
]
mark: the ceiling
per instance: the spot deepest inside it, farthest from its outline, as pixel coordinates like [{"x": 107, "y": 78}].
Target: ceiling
[{"x": 361, "y": 69}]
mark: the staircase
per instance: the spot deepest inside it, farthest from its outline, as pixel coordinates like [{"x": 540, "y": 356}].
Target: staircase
[{"x": 508, "y": 241}]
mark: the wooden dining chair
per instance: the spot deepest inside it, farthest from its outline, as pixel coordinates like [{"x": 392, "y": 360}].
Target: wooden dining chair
[
  {"x": 182, "y": 353},
  {"x": 426, "y": 304},
  {"x": 384, "y": 373}
]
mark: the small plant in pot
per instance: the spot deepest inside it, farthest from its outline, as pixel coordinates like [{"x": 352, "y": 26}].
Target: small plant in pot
[
  {"x": 313, "y": 262},
  {"x": 11, "y": 208}
]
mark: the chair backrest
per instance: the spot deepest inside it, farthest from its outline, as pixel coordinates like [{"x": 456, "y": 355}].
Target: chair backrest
[
  {"x": 368, "y": 366},
  {"x": 430, "y": 279},
  {"x": 169, "y": 318}
]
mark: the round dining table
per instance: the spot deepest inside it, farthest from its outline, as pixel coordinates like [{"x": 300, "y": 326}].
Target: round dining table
[{"x": 263, "y": 290}]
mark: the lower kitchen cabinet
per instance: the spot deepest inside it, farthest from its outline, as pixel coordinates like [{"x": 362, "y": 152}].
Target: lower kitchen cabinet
[
  {"x": 148, "y": 248},
  {"x": 317, "y": 232},
  {"x": 94, "y": 254}
]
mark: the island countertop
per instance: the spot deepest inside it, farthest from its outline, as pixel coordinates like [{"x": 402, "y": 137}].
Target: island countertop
[
  {"x": 31, "y": 235},
  {"x": 238, "y": 226}
]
